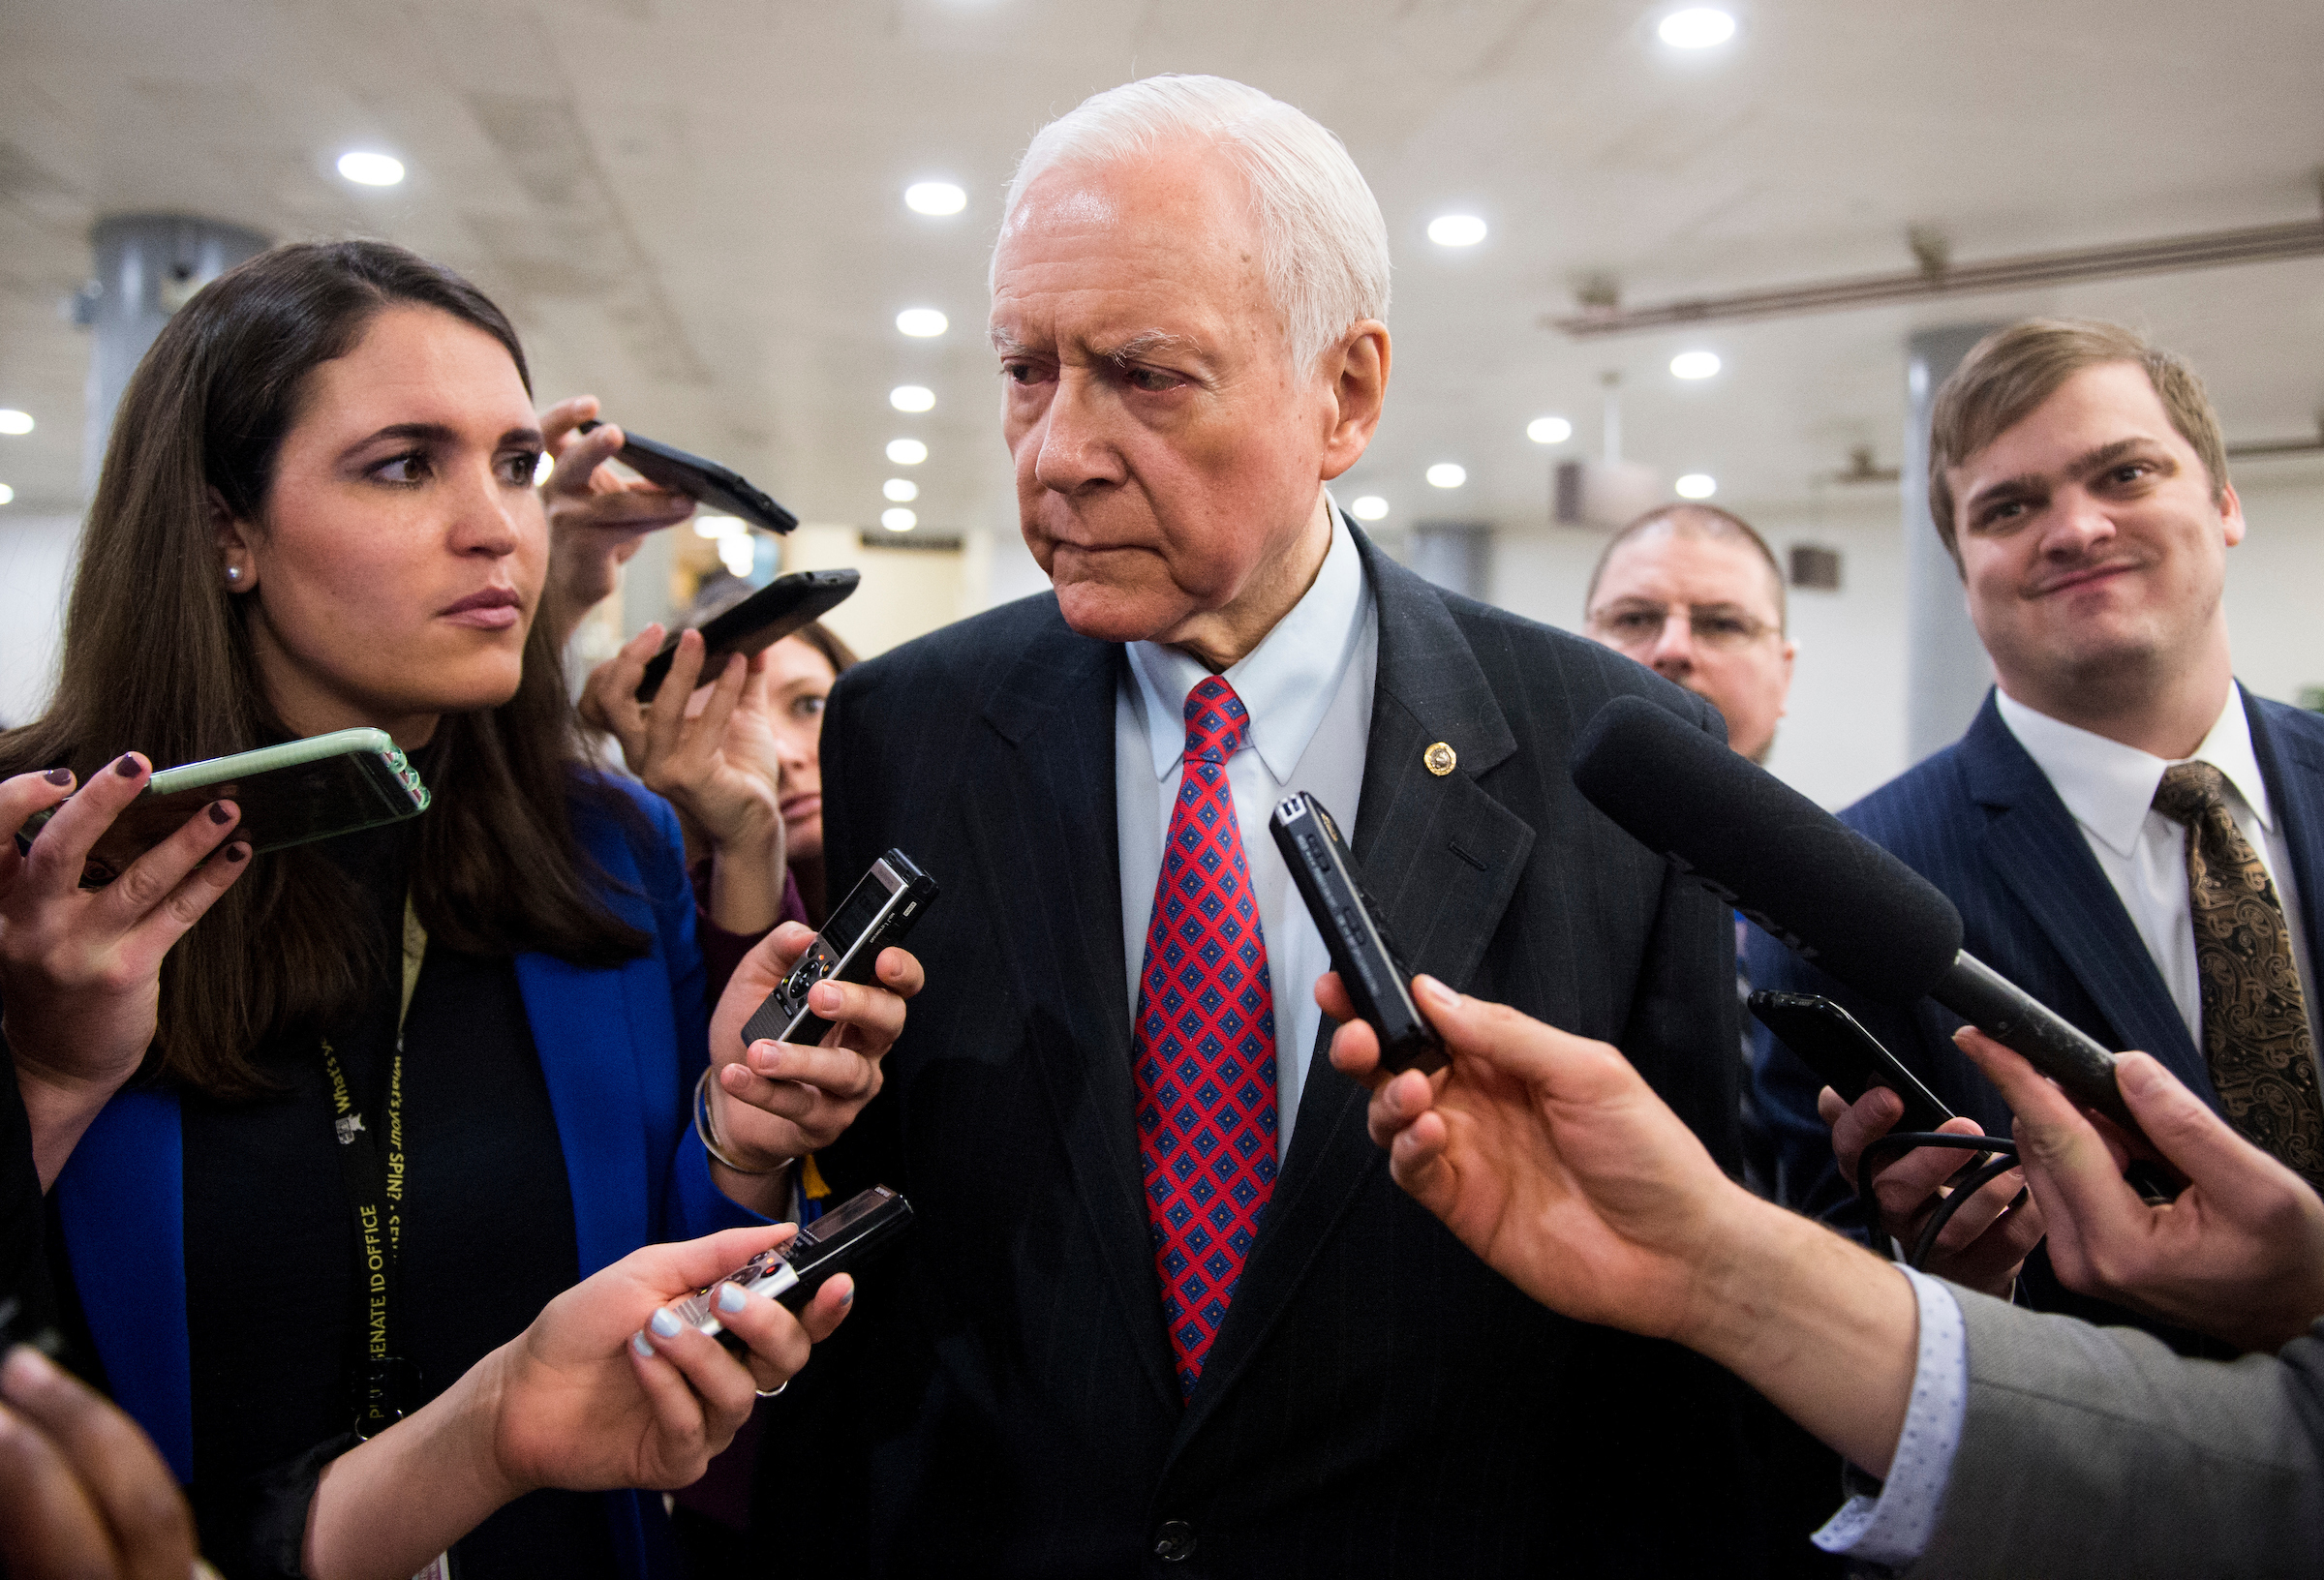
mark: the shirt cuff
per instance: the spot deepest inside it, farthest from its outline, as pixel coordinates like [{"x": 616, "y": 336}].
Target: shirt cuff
[{"x": 1893, "y": 1528}]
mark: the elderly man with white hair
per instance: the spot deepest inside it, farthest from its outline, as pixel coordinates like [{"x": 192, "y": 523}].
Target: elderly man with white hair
[{"x": 1164, "y": 1309}]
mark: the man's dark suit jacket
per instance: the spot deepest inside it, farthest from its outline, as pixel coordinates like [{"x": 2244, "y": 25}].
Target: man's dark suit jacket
[
  {"x": 1378, "y": 1402},
  {"x": 1981, "y": 821}
]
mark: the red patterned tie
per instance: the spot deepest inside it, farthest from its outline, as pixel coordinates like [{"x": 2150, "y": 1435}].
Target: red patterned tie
[{"x": 1205, "y": 1043}]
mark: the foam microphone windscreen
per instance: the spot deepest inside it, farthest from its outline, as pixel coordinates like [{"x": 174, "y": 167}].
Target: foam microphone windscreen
[{"x": 1787, "y": 863}]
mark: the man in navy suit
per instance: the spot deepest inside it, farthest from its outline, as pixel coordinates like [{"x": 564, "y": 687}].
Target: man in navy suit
[
  {"x": 2128, "y": 833},
  {"x": 1163, "y": 1311}
]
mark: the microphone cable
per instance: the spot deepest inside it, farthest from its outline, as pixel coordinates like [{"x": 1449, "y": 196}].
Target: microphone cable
[{"x": 1996, "y": 1155}]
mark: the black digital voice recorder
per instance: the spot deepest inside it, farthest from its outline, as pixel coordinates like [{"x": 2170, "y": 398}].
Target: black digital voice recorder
[
  {"x": 1349, "y": 919},
  {"x": 879, "y": 911}
]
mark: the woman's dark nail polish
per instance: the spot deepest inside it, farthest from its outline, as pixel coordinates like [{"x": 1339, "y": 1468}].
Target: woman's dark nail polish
[
  {"x": 219, "y": 814},
  {"x": 128, "y": 766},
  {"x": 58, "y": 776},
  {"x": 236, "y": 852}
]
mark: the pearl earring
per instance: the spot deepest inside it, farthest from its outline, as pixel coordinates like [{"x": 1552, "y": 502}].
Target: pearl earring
[{"x": 234, "y": 574}]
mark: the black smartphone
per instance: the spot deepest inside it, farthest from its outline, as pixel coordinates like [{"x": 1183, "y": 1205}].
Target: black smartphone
[
  {"x": 1363, "y": 954},
  {"x": 289, "y": 793},
  {"x": 1849, "y": 1058},
  {"x": 705, "y": 480},
  {"x": 840, "y": 1241},
  {"x": 879, "y": 911},
  {"x": 785, "y": 605}
]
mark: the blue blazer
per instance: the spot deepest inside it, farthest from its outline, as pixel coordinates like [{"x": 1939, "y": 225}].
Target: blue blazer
[
  {"x": 1981, "y": 821},
  {"x": 621, "y": 1049}
]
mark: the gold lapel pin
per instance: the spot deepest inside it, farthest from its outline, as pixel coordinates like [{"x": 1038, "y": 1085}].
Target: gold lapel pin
[{"x": 1439, "y": 759}]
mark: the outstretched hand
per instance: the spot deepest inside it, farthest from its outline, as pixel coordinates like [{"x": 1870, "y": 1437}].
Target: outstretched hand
[
  {"x": 2240, "y": 1255},
  {"x": 82, "y": 1491},
  {"x": 595, "y": 1393},
  {"x": 1548, "y": 1156}
]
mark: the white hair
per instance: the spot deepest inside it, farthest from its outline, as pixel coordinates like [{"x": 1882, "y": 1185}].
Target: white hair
[{"x": 1320, "y": 236}]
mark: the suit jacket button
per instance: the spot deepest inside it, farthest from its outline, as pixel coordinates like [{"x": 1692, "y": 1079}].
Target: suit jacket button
[{"x": 1174, "y": 1544}]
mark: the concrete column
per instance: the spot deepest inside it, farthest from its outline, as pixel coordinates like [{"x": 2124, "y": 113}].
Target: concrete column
[
  {"x": 1945, "y": 669},
  {"x": 147, "y": 266}
]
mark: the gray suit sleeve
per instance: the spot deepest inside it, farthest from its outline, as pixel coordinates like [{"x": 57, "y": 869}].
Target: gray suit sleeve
[{"x": 2098, "y": 1452}]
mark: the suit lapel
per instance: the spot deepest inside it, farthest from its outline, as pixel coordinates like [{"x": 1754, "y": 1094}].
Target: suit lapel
[
  {"x": 2291, "y": 760},
  {"x": 587, "y": 1034},
  {"x": 122, "y": 1198},
  {"x": 2033, "y": 845},
  {"x": 1442, "y": 859},
  {"x": 1042, "y": 822}
]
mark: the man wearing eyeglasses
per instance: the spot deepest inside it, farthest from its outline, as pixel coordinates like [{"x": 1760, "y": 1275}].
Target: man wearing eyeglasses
[{"x": 1692, "y": 593}]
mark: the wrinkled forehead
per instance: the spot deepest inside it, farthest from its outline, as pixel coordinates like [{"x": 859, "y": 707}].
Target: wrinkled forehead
[
  {"x": 1161, "y": 242},
  {"x": 1669, "y": 563}
]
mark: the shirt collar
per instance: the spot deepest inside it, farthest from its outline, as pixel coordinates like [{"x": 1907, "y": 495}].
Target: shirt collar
[
  {"x": 1287, "y": 681},
  {"x": 2110, "y": 787}
]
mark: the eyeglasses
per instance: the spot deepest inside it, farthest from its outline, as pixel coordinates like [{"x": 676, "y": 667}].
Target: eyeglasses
[{"x": 1632, "y": 625}]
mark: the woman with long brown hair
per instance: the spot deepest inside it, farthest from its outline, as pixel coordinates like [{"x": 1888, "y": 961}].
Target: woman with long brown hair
[{"x": 318, "y": 512}]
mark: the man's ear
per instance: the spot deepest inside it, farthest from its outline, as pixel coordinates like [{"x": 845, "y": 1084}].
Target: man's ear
[
  {"x": 2231, "y": 514},
  {"x": 1359, "y": 372},
  {"x": 236, "y": 564}
]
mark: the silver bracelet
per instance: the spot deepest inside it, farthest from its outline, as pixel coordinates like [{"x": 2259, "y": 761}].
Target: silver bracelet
[{"x": 706, "y": 1128}]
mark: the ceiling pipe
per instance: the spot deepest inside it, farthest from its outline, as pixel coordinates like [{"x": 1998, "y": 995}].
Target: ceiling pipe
[{"x": 1937, "y": 276}]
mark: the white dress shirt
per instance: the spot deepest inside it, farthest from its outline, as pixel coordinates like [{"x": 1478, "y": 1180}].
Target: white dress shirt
[
  {"x": 1893, "y": 1526},
  {"x": 2109, "y": 788},
  {"x": 1308, "y": 687}
]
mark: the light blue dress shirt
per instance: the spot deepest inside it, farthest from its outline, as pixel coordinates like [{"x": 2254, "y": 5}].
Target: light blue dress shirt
[
  {"x": 1894, "y": 1529},
  {"x": 1308, "y": 687}
]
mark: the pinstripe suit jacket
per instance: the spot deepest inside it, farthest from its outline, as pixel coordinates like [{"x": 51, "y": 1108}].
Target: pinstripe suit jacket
[
  {"x": 1981, "y": 821},
  {"x": 1378, "y": 1402},
  {"x": 2094, "y": 1453}
]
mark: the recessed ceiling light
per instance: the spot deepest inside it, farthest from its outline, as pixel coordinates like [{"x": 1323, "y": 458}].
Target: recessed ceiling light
[
  {"x": 903, "y": 490},
  {"x": 6, "y": 493},
  {"x": 935, "y": 197},
  {"x": 921, "y": 323},
  {"x": 371, "y": 169},
  {"x": 913, "y": 398},
  {"x": 1697, "y": 485},
  {"x": 1548, "y": 429},
  {"x": 906, "y": 452},
  {"x": 1696, "y": 28},
  {"x": 1370, "y": 507},
  {"x": 1448, "y": 475},
  {"x": 898, "y": 520},
  {"x": 14, "y": 421},
  {"x": 1694, "y": 364},
  {"x": 1457, "y": 229}
]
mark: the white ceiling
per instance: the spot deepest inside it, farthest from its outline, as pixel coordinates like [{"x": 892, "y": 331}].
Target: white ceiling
[{"x": 692, "y": 207}]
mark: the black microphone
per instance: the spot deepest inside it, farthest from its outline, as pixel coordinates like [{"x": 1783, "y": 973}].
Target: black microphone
[{"x": 1824, "y": 890}]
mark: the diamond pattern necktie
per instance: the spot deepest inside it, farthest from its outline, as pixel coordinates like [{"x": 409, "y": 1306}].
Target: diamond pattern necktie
[
  {"x": 2256, "y": 1036},
  {"x": 1205, "y": 1043}
]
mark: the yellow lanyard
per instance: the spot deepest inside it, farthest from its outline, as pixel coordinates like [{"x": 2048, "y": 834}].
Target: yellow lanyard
[{"x": 375, "y": 1185}]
